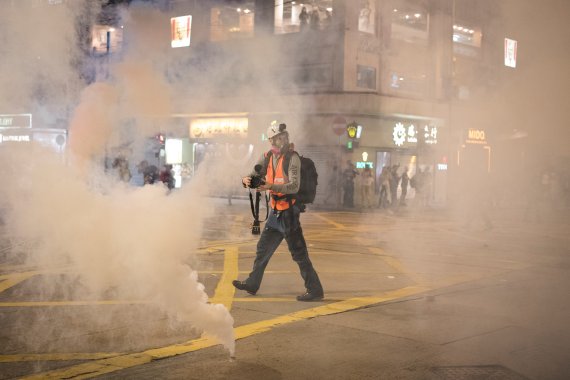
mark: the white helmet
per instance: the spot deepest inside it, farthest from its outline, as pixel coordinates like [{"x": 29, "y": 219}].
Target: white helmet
[{"x": 275, "y": 129}]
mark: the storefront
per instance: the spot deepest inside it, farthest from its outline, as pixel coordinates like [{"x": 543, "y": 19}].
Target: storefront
[
  {"x": 412, "y": 143},
  {"x": 474, "y": 154},
  {"x": 221, "y": 138},
  {"x": 17, "y": 128}
]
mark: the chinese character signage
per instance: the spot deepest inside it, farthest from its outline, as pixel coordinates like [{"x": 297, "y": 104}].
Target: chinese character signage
[
  {"x": 510, "y": 53},
  {"x": 180, "y": 31},
  {"x": 430, "y": 134},
  {"x": 411, "y": 134}
]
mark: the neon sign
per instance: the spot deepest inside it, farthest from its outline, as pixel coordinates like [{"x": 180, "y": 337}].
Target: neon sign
[
  {"x": 215, "y": 127},
  {"x": 476, "y": 136},
  {"x": 409, "y": 134}
]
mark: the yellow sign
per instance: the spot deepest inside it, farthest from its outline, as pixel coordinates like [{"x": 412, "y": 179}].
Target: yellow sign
[
  {"x": 351, "y": 129},
  {"x": 476, "y": 136},
  {"x": 218, "y": 127}
]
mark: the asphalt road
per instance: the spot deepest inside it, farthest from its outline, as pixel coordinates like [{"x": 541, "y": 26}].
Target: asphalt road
[{"x": 408, "y": 295}]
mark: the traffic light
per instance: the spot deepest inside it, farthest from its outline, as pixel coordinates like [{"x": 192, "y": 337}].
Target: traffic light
[
  {"x": 349, "y": 145},
  {"x": 351, "y": 130}
]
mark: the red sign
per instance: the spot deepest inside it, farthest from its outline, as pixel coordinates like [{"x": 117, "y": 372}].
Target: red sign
[{"x": 339, "y": 125}]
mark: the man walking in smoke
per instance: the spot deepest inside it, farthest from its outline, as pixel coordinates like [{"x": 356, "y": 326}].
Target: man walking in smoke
[{"x": 282, "y": 181}]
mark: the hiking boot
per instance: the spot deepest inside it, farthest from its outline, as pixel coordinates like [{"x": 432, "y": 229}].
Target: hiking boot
[
  {"x": 242, "y": 285},
  {"x": 309, "y": 297}
]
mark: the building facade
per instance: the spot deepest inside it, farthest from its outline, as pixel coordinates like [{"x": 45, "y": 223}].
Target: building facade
[{"x": 403, "y": 71}]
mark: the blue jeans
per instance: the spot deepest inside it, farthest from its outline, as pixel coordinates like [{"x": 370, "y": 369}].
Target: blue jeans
[{"x": 284, "y": 225}]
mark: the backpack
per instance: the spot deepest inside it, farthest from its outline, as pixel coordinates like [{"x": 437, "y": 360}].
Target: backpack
[{"x": 309, "y": 177}]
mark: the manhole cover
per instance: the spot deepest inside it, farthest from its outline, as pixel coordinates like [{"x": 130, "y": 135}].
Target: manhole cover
[{"x": 486, "y": 372}]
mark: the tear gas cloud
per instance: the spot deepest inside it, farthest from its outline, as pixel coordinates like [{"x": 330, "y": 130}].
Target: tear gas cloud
[
  {"x": 139, "y": 240},
  {"x": 69, "y": 212}
]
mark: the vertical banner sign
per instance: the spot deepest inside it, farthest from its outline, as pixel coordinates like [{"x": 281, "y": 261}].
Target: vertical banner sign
[
  {"x": 510, "y": 53},
  {"x": 180, "y": 31}
]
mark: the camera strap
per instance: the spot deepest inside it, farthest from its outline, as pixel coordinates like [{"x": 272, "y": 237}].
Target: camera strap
[{"x": 255, "y": 208}]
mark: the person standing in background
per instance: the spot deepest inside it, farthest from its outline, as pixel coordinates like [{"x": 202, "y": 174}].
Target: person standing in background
[
  {"x": 367, "y": 188},
  {"x": 404, "y": 184},
  {"x": 348, "y": 184},
  {"x": 394, "y": 181}
]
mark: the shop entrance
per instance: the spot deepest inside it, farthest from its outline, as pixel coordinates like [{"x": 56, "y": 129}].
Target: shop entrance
[{"x": 403, "y": 159}]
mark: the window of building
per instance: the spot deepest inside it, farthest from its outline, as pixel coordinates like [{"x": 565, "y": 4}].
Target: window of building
[
  {"x": 466, "y": 39},
  {"x": 366, "y": 77},
  {"x": 227, "y": 22},
  {"x": 316, "y": 76},
  {"x": 106, "y": 39},
  {"x": 295, "y": 16},
  {"x": 408, "y": 83},
  {"x": 410, "y": 22}
]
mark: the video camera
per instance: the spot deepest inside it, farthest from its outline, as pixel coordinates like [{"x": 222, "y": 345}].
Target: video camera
[{"x": 257, "y": 179}]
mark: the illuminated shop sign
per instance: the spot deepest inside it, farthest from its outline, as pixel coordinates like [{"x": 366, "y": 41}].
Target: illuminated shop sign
[
  {"x": 476, "y": 136},
  {"x": 218, "y": 127},
  {"x": 364, "y": 164},
  {"x": 14, "y": 138},
  {"x": 510, "y": 53},
  {"x": 411, "y": 133},
  {"x": 173, "y": 150},
  {"x": 180, "y": 31},
  {"x": 16, "y": 121}
]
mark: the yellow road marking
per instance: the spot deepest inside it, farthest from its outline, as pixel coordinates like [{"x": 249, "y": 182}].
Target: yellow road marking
[
  {"x": 330, "y": 221},
  {"x": 396, "y": 265},
  {"x": 390, "y": 260},
  {"x": 264, "y": 299},
  {"x": 118, "y": 363},
  {"x": 223, "y": 294},
  {"x": 14, "y": 279},
  {"x": 328, "y": 309},
  {"x": 225, "y": 291}
]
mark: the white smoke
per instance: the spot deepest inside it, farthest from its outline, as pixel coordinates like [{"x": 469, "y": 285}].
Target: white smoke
[{"x": 137, "y": 241}]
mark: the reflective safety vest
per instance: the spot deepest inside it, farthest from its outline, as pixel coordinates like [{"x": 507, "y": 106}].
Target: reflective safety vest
[{"x": 279, "y": 201}]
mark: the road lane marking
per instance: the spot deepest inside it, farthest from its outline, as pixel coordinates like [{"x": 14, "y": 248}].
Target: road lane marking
[
  {"x": 327, "y": 309},
  {"x": 330, "y": 221},
  {"x": 14, "y": 279},
  {"x": 223, "y": 294},
  {"x": 225, "y": 291},
  {"x": 118, "y": 363},
  {"x": 265, "y": 299}
]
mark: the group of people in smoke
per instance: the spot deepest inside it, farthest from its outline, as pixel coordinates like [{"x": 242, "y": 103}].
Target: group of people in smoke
[
  {"x": 387, "y": 186},
  {"x": 150, "y": 173}
]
